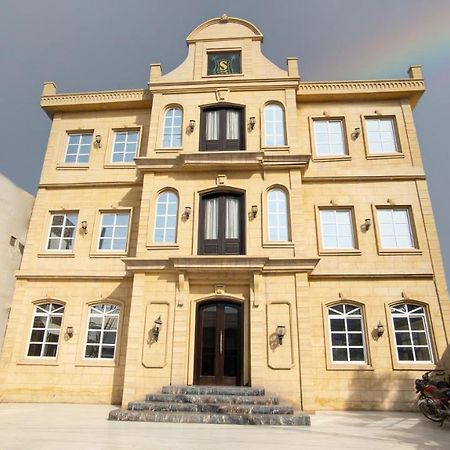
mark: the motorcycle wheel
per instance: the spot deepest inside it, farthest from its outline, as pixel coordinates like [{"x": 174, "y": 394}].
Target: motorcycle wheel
[{"x": 429, "y": 409}]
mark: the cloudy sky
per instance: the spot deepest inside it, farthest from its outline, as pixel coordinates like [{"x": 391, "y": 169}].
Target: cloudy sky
[{"x": 108, "y": 44}]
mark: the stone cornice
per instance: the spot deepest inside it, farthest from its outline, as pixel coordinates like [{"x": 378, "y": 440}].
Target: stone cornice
[
  {"x": 71, "y": 276},
  {"x": 130, "y": 98},
  {"x": 317, "y": 91},
  {"x": 240, "y": 263},
  {"x": 237, "y": 160},
  {"x": 370, "y": 276},
  {"x": 363, "y": 177}
]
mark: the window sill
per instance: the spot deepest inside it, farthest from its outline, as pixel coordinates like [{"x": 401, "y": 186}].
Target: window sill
[
  {"x": 96, "y": 363},
  {"x": 332, "y": 158},
  {"x": 400, "y": 252},
  {"x": 385, "y": 155},
  {"x": 56, "y": 255},
  {"x": 130, "y": 165},
  {"x": 224, "y": 75},
  {"x": 349, "y": 366},
  {"x": 168, "y": 149},
  {"x": 72, "y": 166},
  {"x": 276, "y": 148},
  {"x": 340, "y": 252},
  {"x": 37, "y": 362},
  {"x": 410, "y": 365},
  {"x": 108, "y": 255},
  {"x": 162, "y": 247},
  {"x": 278, "y": 245}
]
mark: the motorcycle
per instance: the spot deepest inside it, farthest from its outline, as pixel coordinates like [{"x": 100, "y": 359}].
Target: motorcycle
[{"x": 434, "y": 395}]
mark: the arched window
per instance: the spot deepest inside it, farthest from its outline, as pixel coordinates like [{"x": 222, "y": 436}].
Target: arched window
[
  {"x": 102, "y": 329},
  {"x": 277, "y": 217},
  {"x": 166, "y": 218},
  {"x": 275, "y": 133},
  {"x": 412, "y": 337},
  {"x": 347, "y": 334},
  {"x": 173, "y": 121},
  {"x": 45, "y": 331}
]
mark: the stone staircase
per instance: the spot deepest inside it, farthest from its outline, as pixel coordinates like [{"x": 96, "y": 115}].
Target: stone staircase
[{"x": 211, "y": 404}]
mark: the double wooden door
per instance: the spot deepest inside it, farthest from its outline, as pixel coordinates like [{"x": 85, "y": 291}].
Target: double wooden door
[{"x": 219, "y": 344}]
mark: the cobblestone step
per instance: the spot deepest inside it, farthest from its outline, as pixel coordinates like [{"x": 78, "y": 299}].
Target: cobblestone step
[
  {"x": 217, "y": 408},
  {"x": 202, "y": 398},
  {"x": 232, "y": 419},
  {"x": 214, "y": 390}
]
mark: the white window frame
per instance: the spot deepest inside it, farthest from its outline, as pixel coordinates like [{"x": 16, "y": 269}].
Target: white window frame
[
  {"x": 415, "y": 313},
  {"x": 114, "y": 226},
  {"x": 275, "y": 128},
  {"x": 276, "y": 215},
  {"x": 55, "y": 310},
  {"x": 126, "y": 145},
  {"x": 63, "y": 228},
  {"x": 370, "y": 134},
  {"x": 336, "y": 211},
  {"x": 170, "y": 130},
  {"x": 79, "y": 146},
  {"x": 396, "y": 235},
  {"x": 114, "y": 313},
  {"x": 343, "y": 151},
  {"x": 348, "y": 309},
  {"x": 165, "y": 217}
]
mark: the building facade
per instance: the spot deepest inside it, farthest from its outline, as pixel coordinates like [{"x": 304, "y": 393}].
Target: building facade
[
  {"x": 15, "y": 212},
  {"x": 232, "y": 225}
]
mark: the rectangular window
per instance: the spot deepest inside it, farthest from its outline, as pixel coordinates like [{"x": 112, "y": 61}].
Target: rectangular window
[
  {"x": 62, "y": 231},
  {"x": 395, "y": 228},
  {"x": 381, "y": 136},
  {"x": 45, "y": 331},
  {"x": 125, "y": 146},
  {"x": 329, "y": 138},
  {"x": 337, "y": 229},
  {"x": 224, "y": 63},
  {"x": 78, "y": 148},
  {"x": 114, "y": 231}
]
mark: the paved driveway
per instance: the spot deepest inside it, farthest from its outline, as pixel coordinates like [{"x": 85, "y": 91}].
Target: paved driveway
[{"x": 84, "y": 427}]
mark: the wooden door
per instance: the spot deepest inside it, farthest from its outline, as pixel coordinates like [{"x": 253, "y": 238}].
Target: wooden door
[{"x": 219, "y": 344}]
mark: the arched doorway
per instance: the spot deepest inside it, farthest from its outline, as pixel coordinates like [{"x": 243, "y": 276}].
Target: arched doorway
[{"x": 219, "y": 343}]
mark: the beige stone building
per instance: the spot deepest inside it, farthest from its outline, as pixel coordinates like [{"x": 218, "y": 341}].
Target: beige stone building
[
  {"x": 230, "y": 224},
  {"x": 15, "y": 212}
]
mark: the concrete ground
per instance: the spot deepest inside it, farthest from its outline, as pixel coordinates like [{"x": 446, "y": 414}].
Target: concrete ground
[{"x": 84, "y": 427}]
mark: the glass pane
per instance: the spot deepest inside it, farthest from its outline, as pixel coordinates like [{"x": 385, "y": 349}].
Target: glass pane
[
  {"x": 403, "y": 338},
  {"x": 93, "y": 337},
  {"x": 55, "y": 322},
  {"x": 91, "y": 351},
  {"x": 50, "y": 350},
  {"x": 34, "y": 350},
  {"x": 422, "y": 354},
  {"x": 232, "y": 218},
  {"x": 405, "y": 354},
  {"x": 417, "y": 323},
  {"x": 340, "y": 354},
  {"x": 231, "y": 341},
  {"x": 338, "y": 339},
  {"x": 356, "y": 354},
  {"x": 354, "y": 324},
  {"x": 401, "y": 323},
  {"x": 337, "y": 324},
  {"x": 95, "y": 323},
  {"x": 52, "y": 336},
  {"x": 355, "y": 339},
  {"x": 109, "y": 337},
  {"x": 111, "y": 323},
  {"x": 108, "y": 352},
  {"x": 208, "y": 341},
  {"x": 40, "y": 321},
  {"x": 419, "y": 338},
  {"x": 37, "y": 336},
  {"x": 211, "y": 218}
]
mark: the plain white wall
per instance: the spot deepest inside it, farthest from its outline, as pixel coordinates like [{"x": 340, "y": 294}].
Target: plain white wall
[{"x": 15, "y": 211}]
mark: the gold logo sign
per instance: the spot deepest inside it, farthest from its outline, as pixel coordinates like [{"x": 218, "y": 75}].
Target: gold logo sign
[{"x": 223, "y": 66}]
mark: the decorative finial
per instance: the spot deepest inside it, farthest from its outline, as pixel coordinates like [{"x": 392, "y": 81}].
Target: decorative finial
[{"x": 223, "y": 18}]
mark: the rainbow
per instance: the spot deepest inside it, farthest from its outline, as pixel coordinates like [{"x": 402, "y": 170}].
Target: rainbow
[{"x": 424, "y": 41}]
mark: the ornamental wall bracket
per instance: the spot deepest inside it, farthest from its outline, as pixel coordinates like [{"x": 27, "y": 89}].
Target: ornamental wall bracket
[{"x": 224, "y": 18}]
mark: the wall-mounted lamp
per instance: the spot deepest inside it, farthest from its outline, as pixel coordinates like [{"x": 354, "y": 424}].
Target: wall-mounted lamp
[
  {"x": 157, "y": 328},
  {"x": 84, "y": 226},
  {"x": 191, "y": 125},
  {"x": 187, "y": 212},
  {"x": 251, "y": 122},
  {"x": 69, "y": 331},
  {"x": 380, "y": 329},
  {"x": 357, "y": 132},
  {"x": 254, "y": 211},
  {"x": 366, "y": 225},
  {"x": 280, "y": 332},
  {"x": 98, "y": 140}
]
